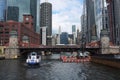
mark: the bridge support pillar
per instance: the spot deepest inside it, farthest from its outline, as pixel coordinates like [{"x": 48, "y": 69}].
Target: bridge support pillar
[
  {"x": 11, "y": 53},
  {"x": 104, "y": 42}
]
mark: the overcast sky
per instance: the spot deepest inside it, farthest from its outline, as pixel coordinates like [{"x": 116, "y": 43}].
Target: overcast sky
[{"x": 65, "y": 13}]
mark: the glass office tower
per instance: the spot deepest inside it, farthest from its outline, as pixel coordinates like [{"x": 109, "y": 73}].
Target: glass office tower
[
  {"x": 64, "y": 38},
  {"x": 46, "y": 19},
  {"x": 27, "y": 7},
  {"x": 13, "y": 13},
  {"x": 35, "y": 11},
  {"x": 101, "y": 17},
  {"x": 2, "y": 10},
  {"x": 23, "y": 5}
]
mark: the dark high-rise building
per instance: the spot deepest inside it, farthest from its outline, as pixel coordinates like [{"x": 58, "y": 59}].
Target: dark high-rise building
[
  {"x": 64, "y": 38},
  {"x": 94, "y": 19},
  {"x": 27, "y": 7},
  {"x": 23, "y": 5},
  {"x": 35, "y": 12},
  {"x": 114, "y": 20},
  {"x": 90, "y": 19},
  {"x": 101, "y": 17},
  {"x": 2, "y": 10},
  {"x": 13, "y": 13},
  {"x": 46, "y": 19}
]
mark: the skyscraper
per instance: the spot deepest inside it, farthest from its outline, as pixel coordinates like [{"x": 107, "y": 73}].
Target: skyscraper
[
  {"x": 78, "y": 37},
  {"x": 117, "y": 21},
  {"x": 74, "y": 33},
  {"x": 27, "y": 7},
  {"x": 94, "y": 19},
  {"x": 23, "y": 5},
  {"x": 87, "y": 19},
  {"x": 46, "y": 19},
  {"x": 64, "y": 38},
  {"x": 100, "y": 16},
  {"x": 2, "y": 10},
  {"x": 43, "y": 35},
  {"x": 90, "y": 20},
  {"x": 35, "y": 12},
  {"x": 114, "y": 20},
  {"x": 73, "y": 28},
  {"x": 58, "y": 38},
  {"x": 13, "y": 13},
  {"x": 84, "y": 21}
]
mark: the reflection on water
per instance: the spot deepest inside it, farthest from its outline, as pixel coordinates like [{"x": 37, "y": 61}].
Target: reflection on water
[{"x": 56, "y": 70}]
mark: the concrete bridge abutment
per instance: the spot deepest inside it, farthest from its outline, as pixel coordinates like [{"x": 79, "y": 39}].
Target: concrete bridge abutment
[
  {"x": 104, "y": 42},
  {"x": 105, "y": 47},
  {"x": 12, "y": 51}
]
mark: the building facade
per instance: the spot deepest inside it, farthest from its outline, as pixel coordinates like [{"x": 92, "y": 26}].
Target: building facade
[
  {"x": 73, "y": 28},
  {"x": 43, "y": 35},
  {"x": 71, "y": 38},
  {"x": 79, "y": 34},
  {"x": 26, "y": 7},
  {"x": 74, "y": 33},
  {"x": 35, "y": 12},
  {"x": 87, "y": 20},
  {"x": 93, "y": 20},
  {"x": 58, "y": 37},
  {"x": 2, "y": 10},
  {"x": 13, "y": 13},
  {"x": 84, "y": 20},
  {"x": 101, "y": 17},
  {"x": 83, "y": 24},
  {"x": 46, "y": 20},
  {"x": 23, "y": 5},
  {"x": 64, "y": 38},
  {"x": 23, "y": 29},
  {"x": 114, "y": 20},
  {"x": 90, "y": 20}
]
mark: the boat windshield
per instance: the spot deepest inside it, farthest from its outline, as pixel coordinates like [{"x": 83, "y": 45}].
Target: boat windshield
[{"x": 33, "y": 53}]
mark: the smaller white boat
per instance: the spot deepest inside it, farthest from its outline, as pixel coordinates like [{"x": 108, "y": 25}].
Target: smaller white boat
[{"x": 33, "y": 59}]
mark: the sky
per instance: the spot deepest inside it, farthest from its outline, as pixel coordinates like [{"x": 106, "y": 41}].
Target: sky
[{"x": 65, "y": 13}]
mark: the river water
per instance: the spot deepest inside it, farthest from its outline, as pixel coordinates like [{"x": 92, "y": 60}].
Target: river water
[{"x": 56, "y": 70}]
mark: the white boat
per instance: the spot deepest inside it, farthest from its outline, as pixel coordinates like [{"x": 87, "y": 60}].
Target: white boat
[
  {"x": 83, "y": 55},
  {"x": 33, "y": 59}
]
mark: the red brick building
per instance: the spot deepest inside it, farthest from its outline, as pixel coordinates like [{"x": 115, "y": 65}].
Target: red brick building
[{"x": 24, "y": 28}]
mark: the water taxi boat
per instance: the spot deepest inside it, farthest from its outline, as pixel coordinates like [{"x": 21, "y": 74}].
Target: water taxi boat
[{"x": 33, "y": 59}]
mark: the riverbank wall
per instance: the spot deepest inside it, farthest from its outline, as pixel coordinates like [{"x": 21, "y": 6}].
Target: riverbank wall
[
  {"x": 108, "y": 60},
  {"x": 2, "y": 57}
]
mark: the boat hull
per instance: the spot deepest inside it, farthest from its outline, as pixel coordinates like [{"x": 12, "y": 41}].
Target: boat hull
[
  {"x": 33, "y": 59},
  {"x": 30, "y": 63}
]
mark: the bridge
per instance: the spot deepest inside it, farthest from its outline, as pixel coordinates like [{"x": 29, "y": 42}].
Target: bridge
[
  {"x": 59, "y": 48},
  {"x": 16, "y": 48},
  {"x": 11, "y": 52}
]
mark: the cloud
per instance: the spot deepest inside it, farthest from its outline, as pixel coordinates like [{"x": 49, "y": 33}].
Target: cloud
[{"x": 65, "y": 14}]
